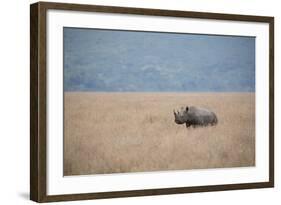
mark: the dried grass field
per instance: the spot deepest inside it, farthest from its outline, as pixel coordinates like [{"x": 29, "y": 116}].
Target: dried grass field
[{"x": 135, "y": 132}]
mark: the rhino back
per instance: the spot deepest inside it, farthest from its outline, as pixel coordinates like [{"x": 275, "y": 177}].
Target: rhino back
[
  {"x": 199, "y": 111},
  {"x": 201, "y": 116}
]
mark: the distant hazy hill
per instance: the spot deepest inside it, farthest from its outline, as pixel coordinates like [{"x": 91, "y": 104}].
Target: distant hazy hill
[{"x": 104, "y": 60}]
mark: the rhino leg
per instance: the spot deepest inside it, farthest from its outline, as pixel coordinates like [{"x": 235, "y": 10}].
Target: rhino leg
[{"x": 187, "y": 125}]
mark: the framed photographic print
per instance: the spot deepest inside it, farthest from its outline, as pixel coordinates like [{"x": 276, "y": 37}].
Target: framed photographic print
[{"x": 134, "y": 102}]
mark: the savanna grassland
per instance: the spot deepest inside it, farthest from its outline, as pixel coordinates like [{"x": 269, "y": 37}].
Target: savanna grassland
[{"x": 135, "y": 132}]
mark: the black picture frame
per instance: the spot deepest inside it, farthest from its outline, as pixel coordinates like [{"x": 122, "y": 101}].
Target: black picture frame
[{"x": 38, "y": 101}]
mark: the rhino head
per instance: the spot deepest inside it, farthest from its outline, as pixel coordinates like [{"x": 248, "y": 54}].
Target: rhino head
[{"x": 181, "y": 116}]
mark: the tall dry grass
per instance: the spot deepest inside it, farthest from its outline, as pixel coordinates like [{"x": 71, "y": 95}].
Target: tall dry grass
[{"x": 134, "y": 132}]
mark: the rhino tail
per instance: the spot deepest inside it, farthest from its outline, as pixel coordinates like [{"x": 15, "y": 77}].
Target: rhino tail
[{"x": 215, "y": 119}]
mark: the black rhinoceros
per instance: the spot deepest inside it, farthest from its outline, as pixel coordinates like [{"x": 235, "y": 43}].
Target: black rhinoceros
[{"x": 195, "y": 116}]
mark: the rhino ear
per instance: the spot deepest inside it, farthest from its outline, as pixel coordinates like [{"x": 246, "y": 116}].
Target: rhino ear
[{"x": 186, "y": 109}]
